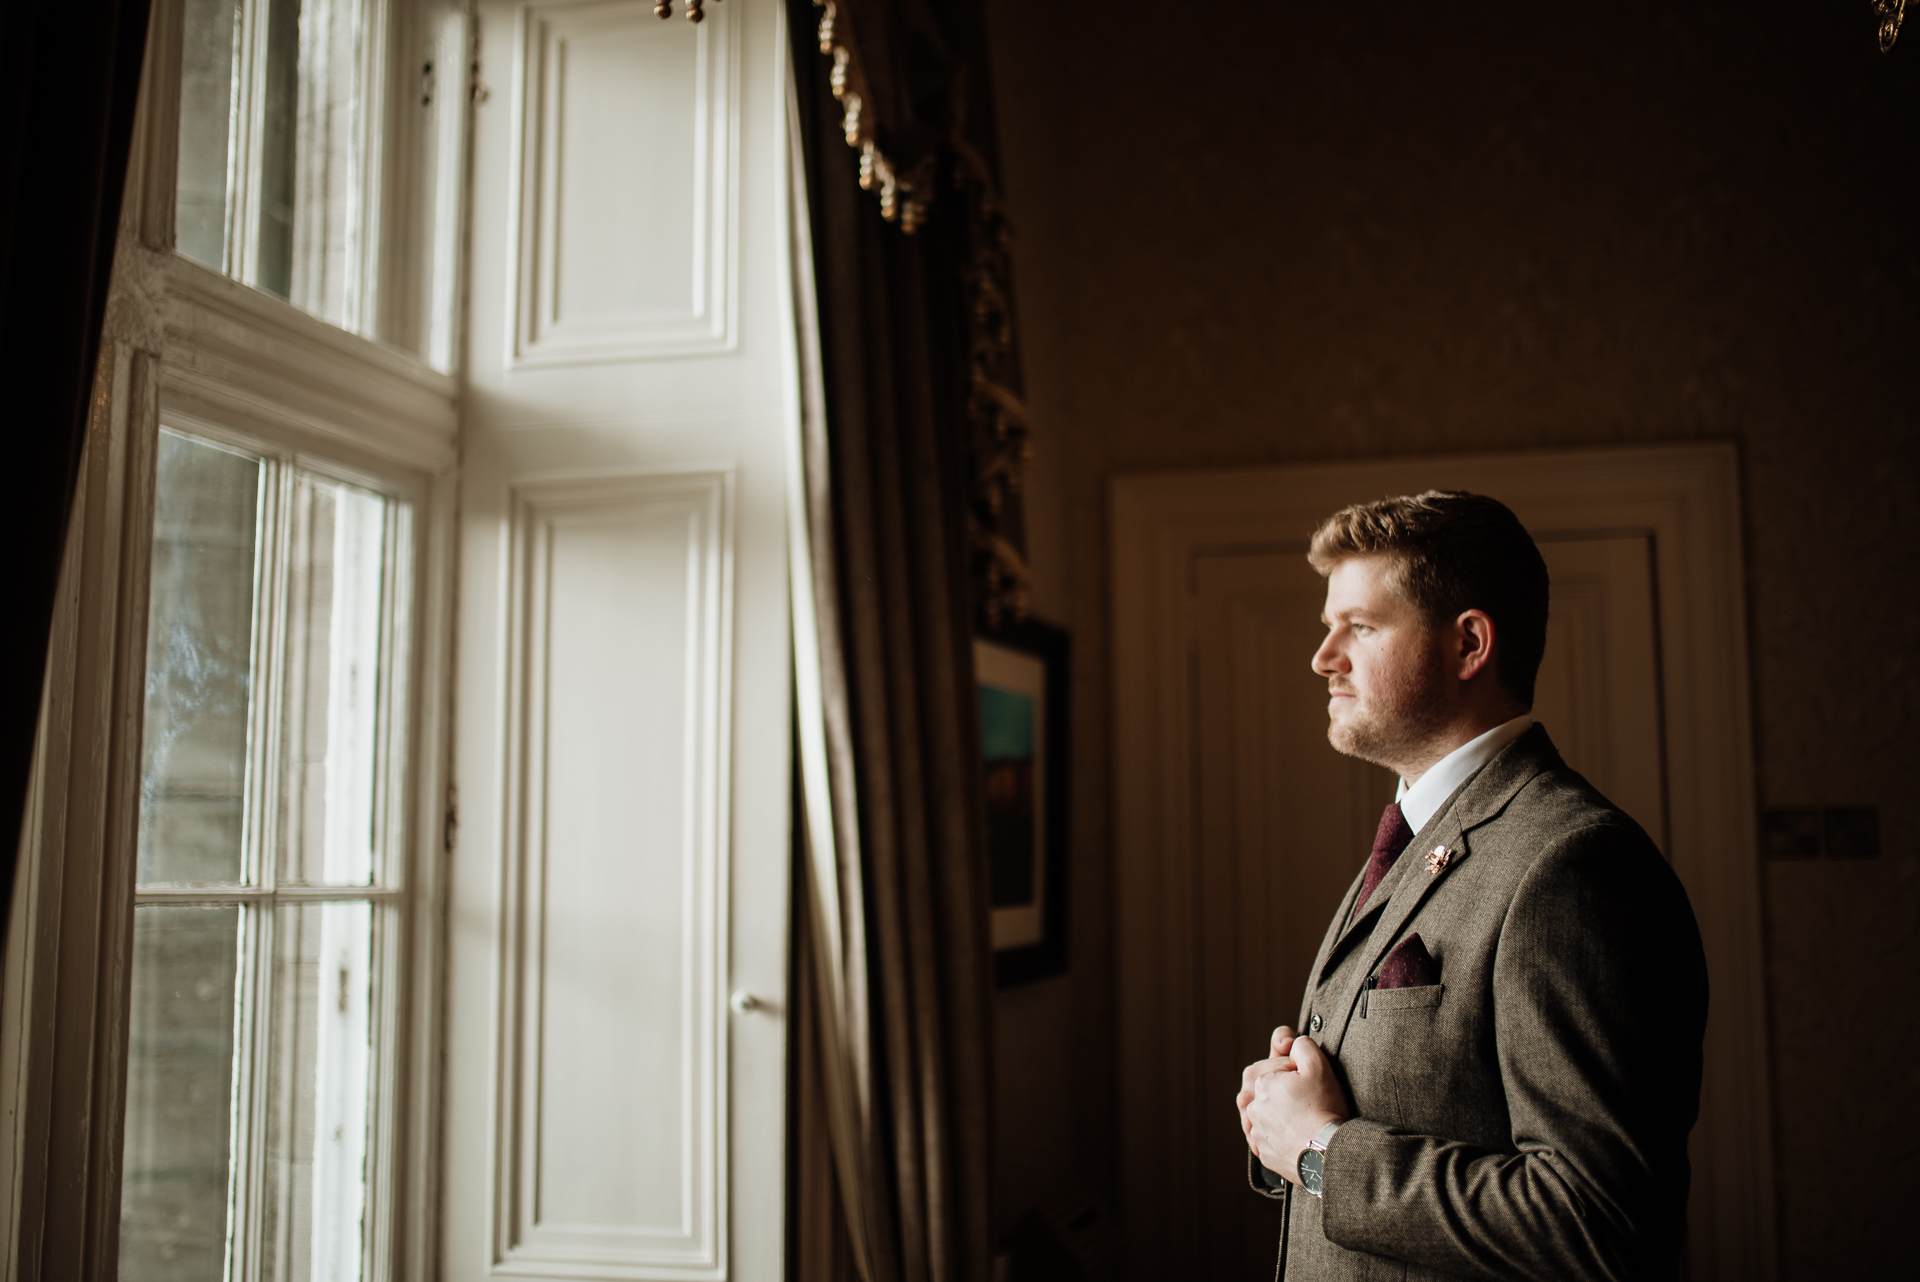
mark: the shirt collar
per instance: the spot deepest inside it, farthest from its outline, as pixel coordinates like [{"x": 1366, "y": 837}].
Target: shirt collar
[{"x": 1419, "y": 802}]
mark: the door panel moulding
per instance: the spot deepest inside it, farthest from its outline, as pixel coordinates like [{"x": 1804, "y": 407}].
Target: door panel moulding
[
  {"x": 610, "y": 1081},
  {"x": 624, "y": 239}
]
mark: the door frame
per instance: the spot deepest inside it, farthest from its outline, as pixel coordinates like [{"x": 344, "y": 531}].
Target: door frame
[{"x": 1686, "y": 501}]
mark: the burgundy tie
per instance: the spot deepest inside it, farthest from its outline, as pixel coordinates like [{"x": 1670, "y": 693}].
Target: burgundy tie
[{"x": 1387, "y": 845}]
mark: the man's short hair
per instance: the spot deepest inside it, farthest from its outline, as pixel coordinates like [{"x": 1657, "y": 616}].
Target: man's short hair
[{"x": 1453, "y": 551}]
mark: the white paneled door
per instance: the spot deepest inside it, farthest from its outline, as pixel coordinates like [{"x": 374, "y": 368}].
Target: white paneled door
[{"x": 619, "y": 863}]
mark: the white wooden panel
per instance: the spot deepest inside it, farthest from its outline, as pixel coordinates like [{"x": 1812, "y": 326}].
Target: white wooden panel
[
  {"x": 578, "y": 406},
  {"x": 612, "y": 1058},
  {"x": 625, "y": 128}
]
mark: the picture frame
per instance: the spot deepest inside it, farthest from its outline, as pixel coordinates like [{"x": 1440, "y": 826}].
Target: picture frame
[{"x": 1021, "y": 679}]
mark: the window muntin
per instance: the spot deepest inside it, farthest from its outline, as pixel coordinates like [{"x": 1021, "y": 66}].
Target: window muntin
[{"x": 269, "y": 905}]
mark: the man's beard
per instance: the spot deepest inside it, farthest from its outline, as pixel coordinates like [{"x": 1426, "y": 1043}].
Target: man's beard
[{"x": 1397, "y": 721}]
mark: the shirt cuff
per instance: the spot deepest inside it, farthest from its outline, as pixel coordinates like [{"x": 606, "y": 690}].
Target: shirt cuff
[{"x": 1263, "y": 1181}]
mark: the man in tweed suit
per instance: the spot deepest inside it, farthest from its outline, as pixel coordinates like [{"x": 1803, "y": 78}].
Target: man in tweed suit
[{"x": 1500, "y": 1049}]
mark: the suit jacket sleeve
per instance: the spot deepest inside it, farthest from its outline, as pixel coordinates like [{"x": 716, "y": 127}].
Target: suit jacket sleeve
[{"x": 1600, "y": 996}]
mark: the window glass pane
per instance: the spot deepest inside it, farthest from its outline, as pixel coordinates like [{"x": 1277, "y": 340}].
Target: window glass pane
[
  {"x": 173, "y": 1202},
  {"x": 294, "y": 72},
  {"x": 199, "y": 663},
  {"x": 331, "y": 743},
  {"x": 206, "y": 112},
  {"x": 318, "y": 1104},
  {"x": 311, "y": 159}
]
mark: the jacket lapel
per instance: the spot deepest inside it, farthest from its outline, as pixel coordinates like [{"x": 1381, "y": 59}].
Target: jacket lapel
[
  {"x": 1414, "y": 887},
  {"x": 1481, "y": 798},
  {"x": 1397, "y": 875}
]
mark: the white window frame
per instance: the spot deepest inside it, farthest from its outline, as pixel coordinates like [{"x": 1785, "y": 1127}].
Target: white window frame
[{"x": 214, "y": 358}]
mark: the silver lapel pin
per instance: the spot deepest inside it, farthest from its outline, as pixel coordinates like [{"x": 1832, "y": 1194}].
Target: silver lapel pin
[{"x": 1437, "y": 859}]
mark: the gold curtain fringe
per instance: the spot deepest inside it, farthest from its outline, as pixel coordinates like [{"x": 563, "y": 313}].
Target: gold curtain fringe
[
  {"x": 903, "y": 193},
  {"x": 1000, "y": 575},
  {"x": 1004, "y": 419},
  {"x": 998, "y": 414}
]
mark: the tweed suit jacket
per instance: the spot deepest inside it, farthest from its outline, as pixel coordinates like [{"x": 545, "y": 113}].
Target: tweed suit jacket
[{"x": 1527, "y": 1115}]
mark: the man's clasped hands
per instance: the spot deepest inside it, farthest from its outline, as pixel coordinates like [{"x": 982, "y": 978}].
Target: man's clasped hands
[{"x": 1285, "y": 1099}]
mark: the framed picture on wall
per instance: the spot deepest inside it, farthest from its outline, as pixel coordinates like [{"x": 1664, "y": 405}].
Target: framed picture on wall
[{"x": 1021, "y": 674}]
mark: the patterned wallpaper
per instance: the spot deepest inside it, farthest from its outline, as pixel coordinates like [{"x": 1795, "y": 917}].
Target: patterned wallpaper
[{"x": 1255, "y": 232}]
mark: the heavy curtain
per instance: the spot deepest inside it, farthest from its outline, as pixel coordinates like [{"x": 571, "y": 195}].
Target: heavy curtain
[
  {"x": 892, "y": 993},
  {"x": 69, "y": 79}
]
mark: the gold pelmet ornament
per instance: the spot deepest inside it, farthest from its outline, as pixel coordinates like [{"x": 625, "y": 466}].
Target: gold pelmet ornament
[{"x": 1889, "y": 13}]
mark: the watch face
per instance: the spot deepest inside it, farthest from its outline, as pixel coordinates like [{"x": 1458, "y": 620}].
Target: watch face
[{"x": 1310, "y": 1164}]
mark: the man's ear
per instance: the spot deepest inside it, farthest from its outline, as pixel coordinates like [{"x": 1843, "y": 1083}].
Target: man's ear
[{"x": 1475, "y": 633}]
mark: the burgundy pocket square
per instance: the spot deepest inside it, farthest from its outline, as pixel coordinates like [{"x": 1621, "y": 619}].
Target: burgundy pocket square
[{"x": 1409, "y": 965}]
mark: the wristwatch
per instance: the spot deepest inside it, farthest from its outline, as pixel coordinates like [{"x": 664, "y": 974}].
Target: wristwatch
[{"x": 1313, "y": 1158}]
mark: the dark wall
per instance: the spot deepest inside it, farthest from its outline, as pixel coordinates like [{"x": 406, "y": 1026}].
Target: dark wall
[{"x": 1272, "y": 232}]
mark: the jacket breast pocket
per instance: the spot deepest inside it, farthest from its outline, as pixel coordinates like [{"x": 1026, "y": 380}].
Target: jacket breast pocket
[{"x": 1393, "y": 1001}]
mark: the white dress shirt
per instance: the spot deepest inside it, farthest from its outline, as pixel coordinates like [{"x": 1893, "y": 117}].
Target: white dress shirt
[{"x": 1419, "y": 801}]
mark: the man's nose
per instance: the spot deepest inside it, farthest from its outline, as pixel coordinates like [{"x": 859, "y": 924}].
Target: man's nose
[{"x": 1327, "y": 660}]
